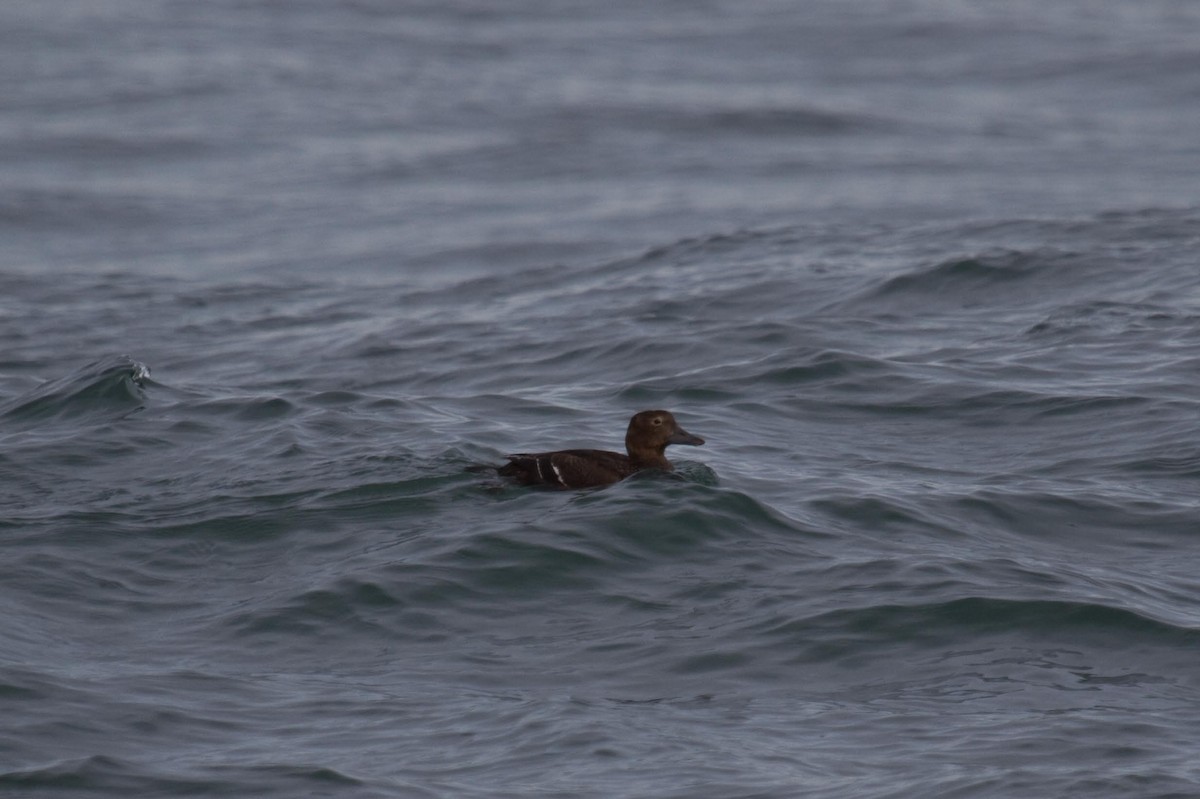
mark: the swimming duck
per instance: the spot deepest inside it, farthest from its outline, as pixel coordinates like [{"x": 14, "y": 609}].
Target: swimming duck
[{"x": 649, "y": 434}]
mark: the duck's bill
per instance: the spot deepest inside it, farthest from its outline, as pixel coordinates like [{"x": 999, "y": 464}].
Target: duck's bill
[{"x": 681, "y": 436}]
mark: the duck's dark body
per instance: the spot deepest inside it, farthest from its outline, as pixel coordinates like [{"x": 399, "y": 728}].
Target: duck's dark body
[{"x": 646, "y": 440}]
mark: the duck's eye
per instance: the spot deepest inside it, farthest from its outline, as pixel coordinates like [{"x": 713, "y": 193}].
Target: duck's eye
[{"x": 657, "y": 420}]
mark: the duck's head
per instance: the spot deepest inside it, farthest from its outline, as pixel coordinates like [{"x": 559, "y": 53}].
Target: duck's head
[{"x": 653, "y": 431}]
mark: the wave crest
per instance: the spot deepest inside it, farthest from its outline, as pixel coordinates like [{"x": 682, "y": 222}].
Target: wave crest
[{"x": 113, "y": 385}]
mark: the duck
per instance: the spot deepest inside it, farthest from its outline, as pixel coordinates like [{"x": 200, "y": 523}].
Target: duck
[{"x": 646, "y": 439}]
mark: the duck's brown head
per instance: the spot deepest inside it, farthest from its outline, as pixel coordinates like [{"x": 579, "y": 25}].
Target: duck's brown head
[{"x": 649, "y": 434}]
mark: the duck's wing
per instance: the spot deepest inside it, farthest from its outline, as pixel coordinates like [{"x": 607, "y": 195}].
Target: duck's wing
[{"x": 568, "y": 468}]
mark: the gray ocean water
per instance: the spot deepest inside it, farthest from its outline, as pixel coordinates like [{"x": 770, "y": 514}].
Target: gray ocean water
[{"x": 275, "y": 276}]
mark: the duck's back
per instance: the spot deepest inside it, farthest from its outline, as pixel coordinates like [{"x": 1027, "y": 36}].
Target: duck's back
[{"x": 568, "y": 468}]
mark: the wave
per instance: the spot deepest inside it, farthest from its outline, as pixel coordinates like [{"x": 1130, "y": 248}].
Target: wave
[
  {"x": 113, "y": 386},
  {"x": 72, "y": 209},
  {"x": 1106, "y": 321},
  {"x": 104, "y": 774},
  {"x": 957, "y": 621},
  {"x": 763, "y": 120},
  {"x": 994, "y": 279},
  {"x": 542, "y": 545}
]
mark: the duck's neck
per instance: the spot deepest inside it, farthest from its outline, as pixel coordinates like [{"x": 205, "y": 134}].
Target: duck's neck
[{"x": 648, "y": 457}]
